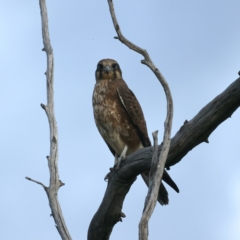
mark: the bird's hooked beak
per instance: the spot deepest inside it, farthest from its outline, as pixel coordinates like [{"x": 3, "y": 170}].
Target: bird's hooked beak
[{"x": 107, "y": 69}]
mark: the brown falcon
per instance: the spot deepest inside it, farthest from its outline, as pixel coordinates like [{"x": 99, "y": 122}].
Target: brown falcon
[{"x": 119, "y": 118}]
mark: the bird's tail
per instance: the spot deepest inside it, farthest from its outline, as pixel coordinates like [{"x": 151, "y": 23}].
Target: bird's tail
[
  {"x": 162, "y": 194},
  {"x": 167, "y": 179}
]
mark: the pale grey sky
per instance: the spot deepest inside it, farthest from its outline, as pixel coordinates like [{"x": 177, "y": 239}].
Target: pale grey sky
[{"x": 195, "y": 44}]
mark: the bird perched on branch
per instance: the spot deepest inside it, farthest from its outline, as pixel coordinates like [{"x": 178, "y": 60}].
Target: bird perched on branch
[{"x": 120, "y": 120}]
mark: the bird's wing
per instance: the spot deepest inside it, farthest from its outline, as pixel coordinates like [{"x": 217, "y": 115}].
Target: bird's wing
[{"x": 134, "y": 110}]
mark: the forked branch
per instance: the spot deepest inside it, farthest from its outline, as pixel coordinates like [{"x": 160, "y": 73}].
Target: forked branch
[
  {"x": 158, "y": 168},
  {"x": 55, "y": 183},
  {"x": 191, "y": 134}
]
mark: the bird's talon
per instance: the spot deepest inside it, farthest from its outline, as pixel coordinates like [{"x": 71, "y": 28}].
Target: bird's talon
[
  {"x": 116, "y": 167},
  {"x": 122, "y": 215},
  {"x": 106, "y": 177}
]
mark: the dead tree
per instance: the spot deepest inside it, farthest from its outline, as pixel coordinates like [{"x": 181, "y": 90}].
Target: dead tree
[
  {"x": 191, "y": 134},
  {"x": 55, "y": 182},
  {"x": 158, "y": 162}
]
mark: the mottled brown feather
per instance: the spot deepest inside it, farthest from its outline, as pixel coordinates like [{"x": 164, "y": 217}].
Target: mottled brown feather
[
  {"x": 112, "y": 119},
  {"x": 119, "y": 117},
  {"x": 134, "y": 110}
]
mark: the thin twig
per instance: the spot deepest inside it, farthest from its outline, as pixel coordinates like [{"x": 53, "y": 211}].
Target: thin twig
[
  {"x": 159, "y": 167},
  {"x": 30, "y": 179},
  {"x": 55, "y": 183}
]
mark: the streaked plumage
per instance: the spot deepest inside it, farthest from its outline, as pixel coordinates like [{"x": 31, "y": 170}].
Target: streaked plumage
[{"x": 119, "y": 117}]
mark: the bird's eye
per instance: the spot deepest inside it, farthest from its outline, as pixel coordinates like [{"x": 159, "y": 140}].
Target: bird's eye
[
  {"x": 99, "y": 66},
  {"x": 115, "y": 66}
]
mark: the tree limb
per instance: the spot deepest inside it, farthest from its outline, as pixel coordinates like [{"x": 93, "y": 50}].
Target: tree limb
[
  {"x": 149, "y": 203},
  {"x": 198, "y": 129},
  {"x": 191, "y": 134},
  {"x": 55, "y": 183},
  {"x": 32, "y": 180},
  {"x": 158, "y": 168}
]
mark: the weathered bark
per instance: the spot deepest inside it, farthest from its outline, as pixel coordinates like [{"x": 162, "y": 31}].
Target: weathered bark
[
  {"x": 158, "y": 167},
  {"x": 109, "y": 212},
  {"x": 55, "y": 182},
  {"x": 198, "y": 129},
  {"x": 191, "y": 134}
]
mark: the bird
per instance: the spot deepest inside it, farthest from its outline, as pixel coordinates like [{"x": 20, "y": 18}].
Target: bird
[{"x": 120, "y": 120}]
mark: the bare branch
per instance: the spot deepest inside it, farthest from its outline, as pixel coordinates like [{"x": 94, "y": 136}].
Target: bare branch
[
  {"x": 55, "y": 183},
  {"x": 157, "y": 171},
  {"x": 147, "y": 212},
  {"x": 30, "y": 179},
  {"x": 191, "y": 134}
]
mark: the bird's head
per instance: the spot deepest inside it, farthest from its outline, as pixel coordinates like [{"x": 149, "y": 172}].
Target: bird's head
[{"x": 108, "y": 69}]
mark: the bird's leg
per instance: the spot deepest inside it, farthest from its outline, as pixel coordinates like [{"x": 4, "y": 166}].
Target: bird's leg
[
  {"x": 116, "y": 159},
  {"x": 107, "y": 176},
  {"x": 122, "y": 156}
]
